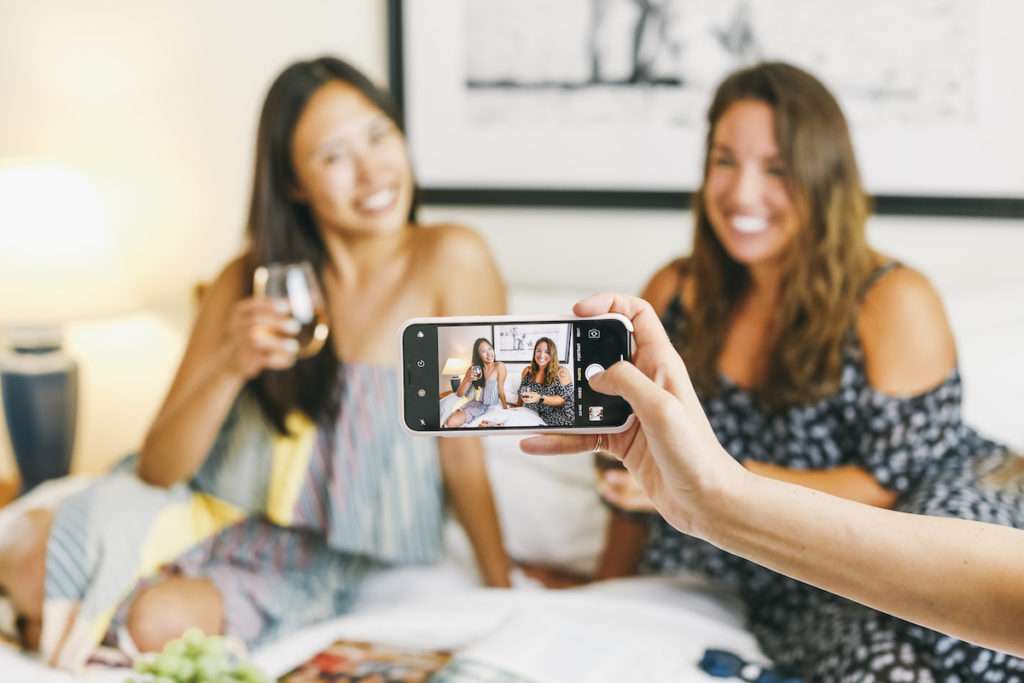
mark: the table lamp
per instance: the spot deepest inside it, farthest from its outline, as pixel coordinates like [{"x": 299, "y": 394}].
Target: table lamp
[
  {"x": 456, "y": 367},
  {"x": 58, "y": 263}
]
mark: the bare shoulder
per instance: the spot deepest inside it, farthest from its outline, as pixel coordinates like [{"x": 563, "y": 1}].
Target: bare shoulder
[
  {"x": 449, "y": 240},
  {"x": 526, "y": 371},
  {"x": 665, "y": 285},
  {"x": 214, "y": 309},
  {"x": 564, "y": 376},
  {"x": 903, "y": 328},
  {"x": 229, "y": 287},
  {"x": 461, "y": 271}
]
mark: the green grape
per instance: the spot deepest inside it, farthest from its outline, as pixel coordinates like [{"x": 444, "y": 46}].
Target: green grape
[
  {"x": 215, "y": 646},
  {"x": 210, "y": 667},
  {"x": 194, "y": 639},
  {"x": 195, "y": 658},
  {"x": 186, "y": 670},
  {"x": 248, "y": 672},
  {"x": 166, "y": 664},
  {"x": 143, "y": 666},
  {"x": 177, "y": 647}
]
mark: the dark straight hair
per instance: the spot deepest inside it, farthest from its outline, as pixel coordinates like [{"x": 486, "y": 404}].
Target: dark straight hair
[
  {"x": 280, "y": 228},
  {"x": 478, "y": 360}
]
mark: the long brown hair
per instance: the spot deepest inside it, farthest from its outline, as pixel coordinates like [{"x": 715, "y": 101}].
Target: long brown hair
[
  {"x": 281, "y": 228},
  {"x": 551, "y": 372},
  {"x": 825, "y": 268}
]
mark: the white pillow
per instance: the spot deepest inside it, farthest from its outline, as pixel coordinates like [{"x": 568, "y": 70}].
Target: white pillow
[
  {"x": 513, "y": 378},
  {"x": 549, "y": 509},
  {"x": 989, "y": 328}
]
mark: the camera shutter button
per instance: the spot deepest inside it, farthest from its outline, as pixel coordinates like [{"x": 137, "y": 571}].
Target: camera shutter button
[{"x": 592, "y": 370}]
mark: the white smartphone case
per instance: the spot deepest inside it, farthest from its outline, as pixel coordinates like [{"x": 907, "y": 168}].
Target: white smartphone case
[{"x": 499, "y": 319}]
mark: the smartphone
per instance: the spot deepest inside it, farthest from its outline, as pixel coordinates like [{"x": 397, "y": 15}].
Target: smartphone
[{"x": 450, "y": 370}]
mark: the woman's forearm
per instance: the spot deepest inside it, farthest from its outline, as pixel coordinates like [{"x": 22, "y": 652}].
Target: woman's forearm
[
  {"x": 847, "y": 481},
  {"x": 955, "y": 576},
  {"x": 185, "y": 429},
  {"x": 625, "y": 540},
  {"x": 465, "y": 478}
]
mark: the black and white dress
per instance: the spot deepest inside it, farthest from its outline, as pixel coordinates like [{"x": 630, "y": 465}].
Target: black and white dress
[
  {"x": 916, "y": 446},
  {"x": 560, "y": 415}
]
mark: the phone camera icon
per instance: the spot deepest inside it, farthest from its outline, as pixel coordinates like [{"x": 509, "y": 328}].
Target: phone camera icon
[
  {"x": 420, "y": 363},
  {"x": 594, "y": 334}
]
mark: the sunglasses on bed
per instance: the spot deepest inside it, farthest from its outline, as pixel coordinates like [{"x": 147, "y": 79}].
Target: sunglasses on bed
[{"x": 725, "y": 664}]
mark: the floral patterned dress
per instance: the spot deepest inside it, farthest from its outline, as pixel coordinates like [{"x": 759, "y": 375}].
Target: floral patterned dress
[{"x": 916, "y": 446}]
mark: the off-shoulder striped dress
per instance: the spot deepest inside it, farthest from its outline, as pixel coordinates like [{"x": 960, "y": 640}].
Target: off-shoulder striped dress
[{"x": 286, "y": 528}]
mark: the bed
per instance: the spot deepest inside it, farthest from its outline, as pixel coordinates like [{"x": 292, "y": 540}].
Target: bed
[{"x": 659, "y": 626}]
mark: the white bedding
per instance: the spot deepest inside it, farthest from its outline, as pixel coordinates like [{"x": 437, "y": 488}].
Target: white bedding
[
  {"x": 666, "y": 623},
  {"x": 655, "y": 627},
  {"x": 509, "y": 417}
]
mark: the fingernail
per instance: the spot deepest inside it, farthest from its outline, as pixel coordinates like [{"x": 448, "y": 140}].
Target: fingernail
[
  {"x": 291, "y": 345},
  {"x": 282, "y": 306},
  {"x": 291, "y": 326}
]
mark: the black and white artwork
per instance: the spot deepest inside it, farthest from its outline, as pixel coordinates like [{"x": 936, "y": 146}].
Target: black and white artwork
[
  {"x": 611, "y": 94},
  {"x": 514, "y": 343}
]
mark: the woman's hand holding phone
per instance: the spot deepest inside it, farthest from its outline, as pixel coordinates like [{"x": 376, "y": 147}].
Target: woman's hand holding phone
[{"x": 670, "y": 449}]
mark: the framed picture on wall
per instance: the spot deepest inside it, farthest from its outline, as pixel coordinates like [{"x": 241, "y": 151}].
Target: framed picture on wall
[
  {"x": 602, "y": 102},
  {"x": 514, "y": 343}
]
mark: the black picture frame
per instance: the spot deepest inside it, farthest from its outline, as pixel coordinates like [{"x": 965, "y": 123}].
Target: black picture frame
[{"x": 1010, "y": 207}]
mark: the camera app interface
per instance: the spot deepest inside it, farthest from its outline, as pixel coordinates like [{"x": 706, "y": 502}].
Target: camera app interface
[{"x": 513, "y": 375}]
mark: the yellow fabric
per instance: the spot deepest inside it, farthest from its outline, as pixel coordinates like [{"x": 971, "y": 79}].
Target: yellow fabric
[
  {"x": 179, "y": 527},
  {"x": 289, "y": 462}
]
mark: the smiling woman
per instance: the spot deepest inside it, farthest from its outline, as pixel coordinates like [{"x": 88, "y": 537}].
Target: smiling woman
[
  {"x": 350, "y": 162},
  {"x": 260, "y": 453},
  {"x": 819, "y": 361}
]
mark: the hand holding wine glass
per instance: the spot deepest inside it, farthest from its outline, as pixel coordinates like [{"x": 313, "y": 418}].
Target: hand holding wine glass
[
  {"x": 283, "y": 321},
  {"x": 259, "y": 335},
  {"x": 295, "y": 286}
]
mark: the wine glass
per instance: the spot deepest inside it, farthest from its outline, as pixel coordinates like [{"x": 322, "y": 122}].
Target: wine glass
[
  {"x": 478, "y": 372},
  {"x": 296, "y": 283}
]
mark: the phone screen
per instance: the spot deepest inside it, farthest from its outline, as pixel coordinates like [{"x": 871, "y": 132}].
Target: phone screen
[{"x": 503, "y": 374}]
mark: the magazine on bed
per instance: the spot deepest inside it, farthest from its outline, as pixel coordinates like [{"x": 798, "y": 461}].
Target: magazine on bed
[
  {"x": 347, "y": 661},
  {"x": 527, "y": 648}
]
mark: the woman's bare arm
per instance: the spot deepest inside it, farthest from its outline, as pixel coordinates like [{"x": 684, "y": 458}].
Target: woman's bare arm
[
  {"x": 956, "y": 576},
  {"x": 222, "y": 354},
  {"x": 462, "y": 460}
]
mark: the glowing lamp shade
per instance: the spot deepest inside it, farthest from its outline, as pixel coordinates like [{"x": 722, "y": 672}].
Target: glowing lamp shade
[
  {"x": 58, "y": 262},
  {"x": 456, "y": 367},
  {"x": 58, "y": 257}
]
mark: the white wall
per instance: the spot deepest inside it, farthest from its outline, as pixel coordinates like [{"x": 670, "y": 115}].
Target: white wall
[
  {"x": 160, "y": 100},
  {"x": 621, "y": 249}
]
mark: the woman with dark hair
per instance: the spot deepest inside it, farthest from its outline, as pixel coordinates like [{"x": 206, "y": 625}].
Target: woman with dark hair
[
  {"x": 820, "y": 362},
  {"x": 297, "y": 468},
  {"x": 480, "y": 389},
  {"x": 546, "y": 385}
]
